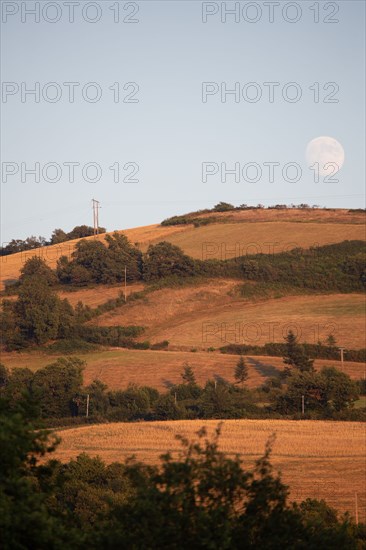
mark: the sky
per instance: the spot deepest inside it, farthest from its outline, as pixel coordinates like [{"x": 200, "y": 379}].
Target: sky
[{"x": 132, "y": 106}]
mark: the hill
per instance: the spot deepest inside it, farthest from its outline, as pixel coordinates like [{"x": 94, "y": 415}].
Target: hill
[
  {"x": 332, "y": 453},
  {"x": 233, "y": 233}
]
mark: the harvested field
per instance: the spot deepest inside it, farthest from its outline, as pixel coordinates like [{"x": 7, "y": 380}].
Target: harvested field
[{"x": 317, "y": 459}]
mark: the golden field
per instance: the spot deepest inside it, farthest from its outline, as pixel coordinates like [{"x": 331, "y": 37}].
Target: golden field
[
  {"x": 212, "y": 314},
  {"x": 317, "y": 459},
  {"x": 160, "y": 369},
  {"x": 229, "y": 240}
]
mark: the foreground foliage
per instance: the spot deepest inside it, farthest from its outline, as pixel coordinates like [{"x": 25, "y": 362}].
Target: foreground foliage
[{"x": 203, "y": 499}]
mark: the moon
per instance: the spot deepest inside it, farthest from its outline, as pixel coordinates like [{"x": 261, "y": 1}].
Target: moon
[{"x": 327, "y": 152}]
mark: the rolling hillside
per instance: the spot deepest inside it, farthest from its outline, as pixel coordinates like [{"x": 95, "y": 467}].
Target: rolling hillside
[
  {"x": 244, "y": 232},
  {"x": 213, "y": 312}
]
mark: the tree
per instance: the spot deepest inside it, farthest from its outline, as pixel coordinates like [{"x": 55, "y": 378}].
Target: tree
[
  {"x": 57, "y": 384},
  {"x": 341, "y": 391},
  {"x": 331, "y": 341},
  {"x": 18, "y": 387},
  {"x": 241, "y": 371},
  {"x": 92, "y": 256},
  {"x": 25, "y": 519},
  {"x": 123, "y": 255},
  {"x": 325, "y": 392},
  {"x": 81, "y": 231},
  {"x": 35, "y": 267},
  {"x": 67, "y": 320},
  {"x": 37, "y": 311},
  {"x": 165, "y": 260},
  {"x": 307, "y": 385},
  {"x": 58, "y": 236},
  {"x": 296, "y": 357},
  {"x": 188, "y": 375},
  {"x": 4, "y": 377},
  {"x": 223, "y": 207},
  {"x": 99, "y": 402},
  {"x": 10, "y": 334},
  {"x": 166, "y": 408}
]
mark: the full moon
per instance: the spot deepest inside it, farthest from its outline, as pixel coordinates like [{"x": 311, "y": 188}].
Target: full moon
[{"x": 327, "y": 152}]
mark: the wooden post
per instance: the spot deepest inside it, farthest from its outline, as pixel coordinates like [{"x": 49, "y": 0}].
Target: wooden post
[
  {"x": 356, "y": 507},
  {"x": 303, "y": 404},
  {"x": 87, "y": 405}
]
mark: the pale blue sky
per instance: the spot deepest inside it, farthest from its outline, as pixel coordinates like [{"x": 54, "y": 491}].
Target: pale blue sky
[{"x": 170, "y": 132}]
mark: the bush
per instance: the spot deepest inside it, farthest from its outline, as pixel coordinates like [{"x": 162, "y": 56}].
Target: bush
[
  {"x": 160, "y": 345},
  {"x": 71, "y": 345}
]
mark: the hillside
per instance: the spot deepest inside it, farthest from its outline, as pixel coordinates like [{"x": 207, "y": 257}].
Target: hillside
[
  {"x": 213, "y": 314},
  {"x": 238, "y": 232},
  {"x": 332, "y": 453},
  {"x": 161, "y": 369}
]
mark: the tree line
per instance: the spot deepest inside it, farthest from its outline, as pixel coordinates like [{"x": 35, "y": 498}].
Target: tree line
[
  {"x": 58, "y": 393},
  {"x": 58, "y": 236},
  {"x": 339, "y": 267}
]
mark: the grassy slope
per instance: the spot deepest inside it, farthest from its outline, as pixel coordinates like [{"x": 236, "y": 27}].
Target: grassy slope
[
  {"x": 332, "y": 453},
  {"x": 213, "y": 314},
  {"x": 223, "y": 241}
]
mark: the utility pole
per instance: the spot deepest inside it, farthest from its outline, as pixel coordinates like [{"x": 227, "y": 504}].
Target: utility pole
[
  {"x": 96, "y": 216},
  {"x": 303, "y": 404},
  {"x": 87, "y": 405},
  {"x": 342, "y": 351}
]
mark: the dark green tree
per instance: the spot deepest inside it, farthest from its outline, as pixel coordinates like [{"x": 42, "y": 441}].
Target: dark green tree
[
  {"x": 166, "y": 408},
  {"x": 166, "y": 260},
  {"x": 4, "y": 377},
  {"x": 37, "y": 311},
  {"x": 331, "y": 341},
  {"x": 188, "y": 375},
  {"x": 223, "y": 207},
  {"x": 67, "y": 319},
  {"x": 56, "y": 385},
  {"x": 241, "y": 371},
  {"x": 324, "y": 392},
  {"x": 296, "y": 358},
  {"x": 25, "y": 520},
  {"x": 341, "y": 391},
  {"x": 123, "y": 255},
  {"x": 99, "y": 402},
  {"x": 92, "y": 255},
  {"x": 10, "y": 334},
  {"x": 58, "y": 236},
  {"x": 37, "y": 268},
  {"x": 18, "y": 387},
  {"x": 81, "y": 231}
]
